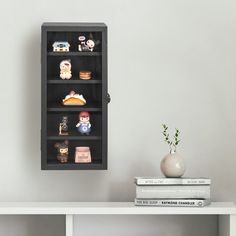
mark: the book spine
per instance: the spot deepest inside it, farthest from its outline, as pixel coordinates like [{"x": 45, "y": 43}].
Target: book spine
[
  {"x": 173, "y": 181},
  {"x": 173, "y": 202},
  {"x": 180, "y": 192}
]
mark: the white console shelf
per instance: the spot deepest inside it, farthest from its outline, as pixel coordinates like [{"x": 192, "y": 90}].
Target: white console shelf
[{"x": 226, "y": 211}]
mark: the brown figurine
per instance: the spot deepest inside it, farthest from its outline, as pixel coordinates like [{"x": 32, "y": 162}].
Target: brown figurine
[
  {"x": 62, "y": 151},
  {"x": 63, "y": 126}
]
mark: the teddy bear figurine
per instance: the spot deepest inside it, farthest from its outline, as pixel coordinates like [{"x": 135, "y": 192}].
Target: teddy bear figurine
[
  {"x": 62, "y": 151},
  {"x": 65, "y": 69}
]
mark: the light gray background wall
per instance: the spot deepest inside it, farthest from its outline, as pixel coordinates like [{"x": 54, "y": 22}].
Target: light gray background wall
[{"x": 169, "y": 61}]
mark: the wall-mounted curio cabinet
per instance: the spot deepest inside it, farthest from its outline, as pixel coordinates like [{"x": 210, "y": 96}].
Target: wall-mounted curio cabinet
[{"x": 74, "y": 96}]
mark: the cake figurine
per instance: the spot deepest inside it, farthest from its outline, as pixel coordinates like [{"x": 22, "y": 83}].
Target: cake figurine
[
  {"x": 61, "y": 46},
  {"x": 85, "y": 74},
  {"x": 74, "y": 99},
  {"x": 65, "y": 69},
  {"x": 62, "y": 151},
  {"x": 84, "y": 125},
  {"x": 85, "y": 45},
  {"x": 63, "y": 126},
  {"x": 82, "y": 155}
]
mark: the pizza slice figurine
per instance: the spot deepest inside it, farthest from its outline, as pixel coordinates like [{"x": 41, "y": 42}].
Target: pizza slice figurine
[{"x": 84, "y": 125}]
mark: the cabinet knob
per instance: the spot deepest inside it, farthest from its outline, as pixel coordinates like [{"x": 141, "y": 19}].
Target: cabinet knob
[{"x": 108, "y": 98}]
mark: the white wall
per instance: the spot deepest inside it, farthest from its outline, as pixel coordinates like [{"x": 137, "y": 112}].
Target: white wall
[{"x": 169, "y": 61}]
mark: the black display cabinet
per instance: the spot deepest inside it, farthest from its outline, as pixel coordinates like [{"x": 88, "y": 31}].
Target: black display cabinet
[{"x": 54, "y": 90}]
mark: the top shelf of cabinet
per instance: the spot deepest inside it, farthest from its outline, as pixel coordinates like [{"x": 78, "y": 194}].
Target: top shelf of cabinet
[{"x": 90, "y": 54}]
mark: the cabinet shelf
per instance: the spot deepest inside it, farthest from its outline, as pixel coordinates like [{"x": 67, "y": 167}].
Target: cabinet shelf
[
  {"x": 61, "y": 108},
  {"x": 74, "y": 81},
  {"x": 63, "y": 54},
  {"x": 71, "y": 165},
  {"x": 74, "y": 137}
]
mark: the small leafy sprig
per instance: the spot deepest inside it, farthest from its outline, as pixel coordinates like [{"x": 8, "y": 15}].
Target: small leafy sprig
[{"x": 175, "y": 141}]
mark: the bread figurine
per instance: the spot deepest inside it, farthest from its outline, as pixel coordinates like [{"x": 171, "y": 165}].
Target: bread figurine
[
  {"x": 85, "y": 74},
  {"x": 82, "y": 155},
  {"x": 74, "y": 99},
  {"x": 65, "y": 69}
]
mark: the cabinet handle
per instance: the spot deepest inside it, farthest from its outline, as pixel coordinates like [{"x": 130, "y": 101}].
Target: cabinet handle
[{"x": 108, "y": 98}]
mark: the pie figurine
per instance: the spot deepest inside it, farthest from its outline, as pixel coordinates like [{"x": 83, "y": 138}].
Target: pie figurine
[{"x": 74, "y": 99}]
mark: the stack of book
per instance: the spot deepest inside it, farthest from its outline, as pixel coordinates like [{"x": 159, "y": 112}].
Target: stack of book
[{"x": 194, "y": 192}]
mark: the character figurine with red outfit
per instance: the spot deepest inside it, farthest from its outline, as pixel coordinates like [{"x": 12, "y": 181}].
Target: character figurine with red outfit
[{"x": 84, "y": 126}]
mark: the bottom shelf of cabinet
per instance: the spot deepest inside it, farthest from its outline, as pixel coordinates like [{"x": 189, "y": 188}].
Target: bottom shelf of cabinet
[{"x": 71, "y": 165}]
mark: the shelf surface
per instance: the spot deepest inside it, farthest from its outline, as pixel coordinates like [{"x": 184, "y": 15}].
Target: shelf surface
[
  {"x": 71, "y": 165},
  {"x": 74, "y": 81},
  {"x": 90, "y": 54},
  {"x": 60, "y": 108},
  {"x": 110, "y": 208},
  {"x": 73, "y": 137}
]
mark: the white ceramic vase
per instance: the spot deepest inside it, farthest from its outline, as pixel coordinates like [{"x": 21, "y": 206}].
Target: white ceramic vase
[{"x": 172, "y": 165}]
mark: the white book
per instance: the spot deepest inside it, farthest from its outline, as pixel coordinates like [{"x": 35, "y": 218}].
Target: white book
[
  {"x": 171, "y": 181},
  {"x": 173, "y": 191},
  {"x": 172, "y": 202}
]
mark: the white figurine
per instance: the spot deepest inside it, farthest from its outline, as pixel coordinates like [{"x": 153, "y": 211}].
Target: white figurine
[{"x": 65, "y": 67}]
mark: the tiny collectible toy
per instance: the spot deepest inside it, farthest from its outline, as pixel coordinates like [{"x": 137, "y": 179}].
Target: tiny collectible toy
[
  {"x": 82, "y": 155},
  {"x": 63, "y": 126},
  {"x": 85, "y": 74},
  {"x": 62, "y": 151},
  {"x": 85, "y": 45},
  {"x": 65, "y": 69},
  {"x": 61, "y": 46},
  {"x": 84, "y": 125},
  {"x": 74, "y": 99}
]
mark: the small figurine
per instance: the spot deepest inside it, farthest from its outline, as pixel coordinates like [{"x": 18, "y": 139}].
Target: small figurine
[
  {"x": 61, "y": 46},
  {"x": 85, "y": 45},
  {"x": 65, "y": 67},
  {"x": 62, "y": 151},
  {"x": 74, "y": 99},
  {"x": 82, "y": 155},
  {"x": 84, "y": 125},
  {"x": 63, "y": 126},
  {"x": 85, "y": 74}
]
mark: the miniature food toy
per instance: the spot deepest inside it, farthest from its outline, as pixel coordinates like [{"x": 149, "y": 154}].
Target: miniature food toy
[
  {"x": 85, "y": 74},
  {"x": 82, "y": 155},
  {"x": 74, "y": 99}
]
